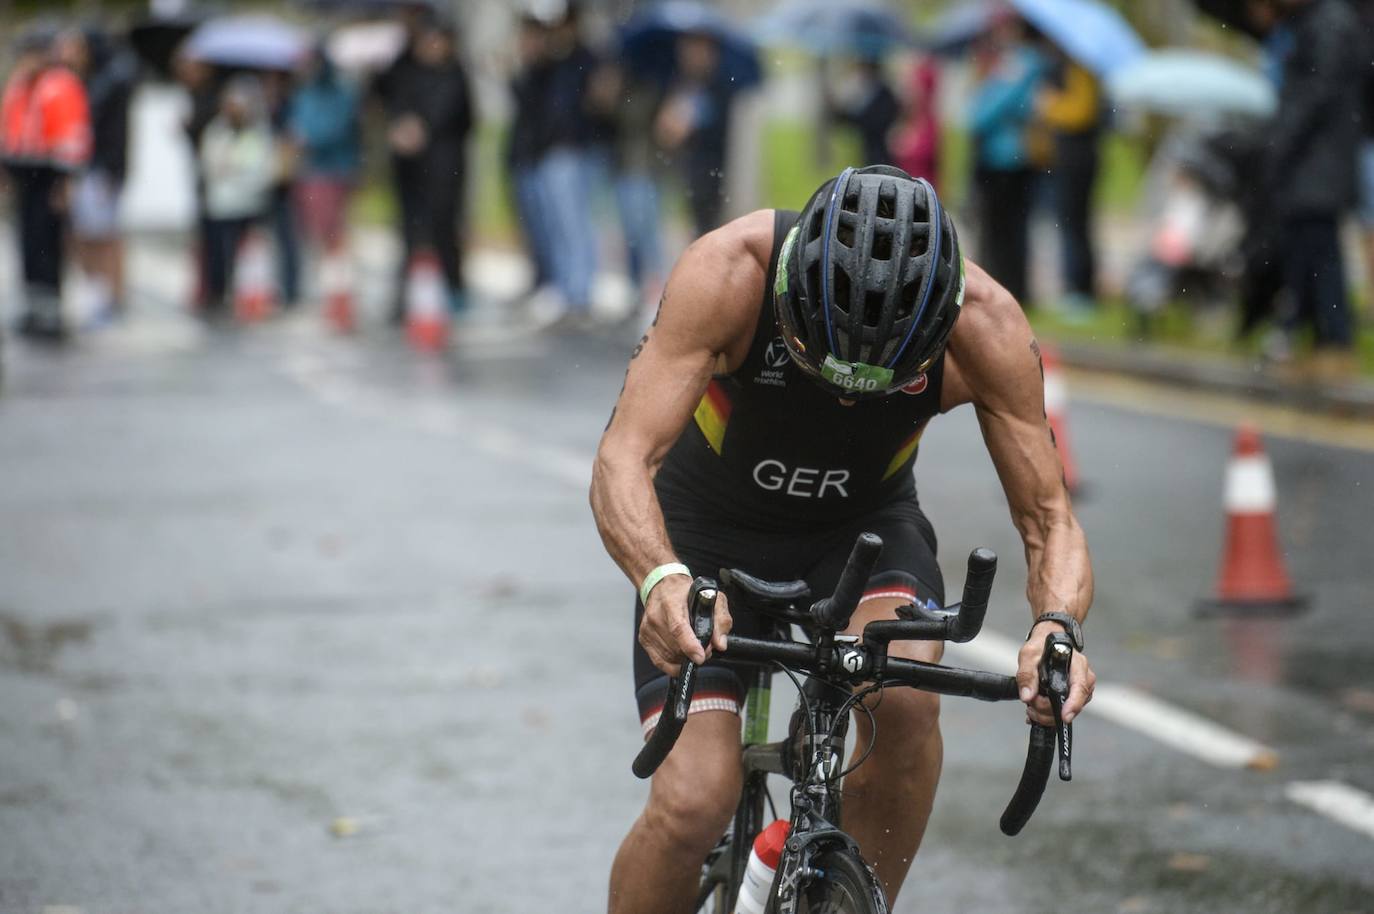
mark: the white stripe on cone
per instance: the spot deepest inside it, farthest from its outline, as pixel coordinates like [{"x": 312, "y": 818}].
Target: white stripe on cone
[
  {"x": 1250, "y": 486},
  {"x": 425, "y": 292},
  {"x": 254, "y": 292},
  {"x": 1056, "y": 392}
]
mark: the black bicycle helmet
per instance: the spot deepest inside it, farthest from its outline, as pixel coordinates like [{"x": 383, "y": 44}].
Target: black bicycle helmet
[{"x": 869, "y": 282}]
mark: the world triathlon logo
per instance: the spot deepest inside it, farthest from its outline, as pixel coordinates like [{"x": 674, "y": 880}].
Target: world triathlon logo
[
  {"x": 775, "y": 359},
  {"x": 775, "y": 356}
]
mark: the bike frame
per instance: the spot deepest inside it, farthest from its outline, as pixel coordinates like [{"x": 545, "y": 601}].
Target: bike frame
[{"x": 817, "y": 737}]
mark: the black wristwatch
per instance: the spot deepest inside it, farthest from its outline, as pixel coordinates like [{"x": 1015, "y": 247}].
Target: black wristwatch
[{"x": 1071, "y": 626}]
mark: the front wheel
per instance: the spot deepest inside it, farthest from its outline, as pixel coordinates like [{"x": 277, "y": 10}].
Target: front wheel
[{"x": 843, "y": 884}]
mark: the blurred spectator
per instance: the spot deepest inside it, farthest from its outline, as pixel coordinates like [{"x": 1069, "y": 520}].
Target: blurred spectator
[
  {"x": 863, "y": 100},
  {"x": 1071, "y": 106},
  {"x": 567, "y": 168},
  {"x": 1000, "y": 116},
  {"x": 631, "y": 105},
  {"x": 108, "y": 72},
  {"x": 429, "y": 110},
  {"x": 1366, "y": 210},
  {"x": 1311, "y": 169},
  {"x": 693, "y": 125},
  {"x": 239, "y": 165},
  {"x": 916, "y": 145},
  {"x": 46, "y": 139},
  {"x": 525, "y": 143},
  {"x": 202, "y": 85},
  {"x": 322, "y": 121},
  {"x": 281, "y": 210}
]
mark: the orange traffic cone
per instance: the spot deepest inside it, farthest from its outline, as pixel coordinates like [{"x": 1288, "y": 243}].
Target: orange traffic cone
[
  {"x": 254, "y": 294},
  {"x": 1056, "y": 411},
  {"x": 336, "y": 286},
  {"x": 1252, "y": 579},
  {"x": 426, "y": 303}
]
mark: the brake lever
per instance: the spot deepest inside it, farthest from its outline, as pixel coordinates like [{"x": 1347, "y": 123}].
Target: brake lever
[
  {"x": 701, "y": 602},
  {"x": 1055, "y": 663}
]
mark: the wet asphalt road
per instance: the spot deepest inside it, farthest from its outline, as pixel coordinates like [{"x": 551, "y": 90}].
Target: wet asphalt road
[{"x": 291, "y": 623}]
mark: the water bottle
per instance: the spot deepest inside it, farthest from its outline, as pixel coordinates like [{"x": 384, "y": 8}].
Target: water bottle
[{"x": 763, "y": 863}]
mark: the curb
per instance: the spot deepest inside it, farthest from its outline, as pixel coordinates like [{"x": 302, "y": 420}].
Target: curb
[{"x": 1352, "y": 400}]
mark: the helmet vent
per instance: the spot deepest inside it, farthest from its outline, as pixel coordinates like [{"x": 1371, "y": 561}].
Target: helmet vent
[
  {"x": 839, "y": 292},
  {"x": 844, "y": 232},
  {"x": 882, "y": 245},
  {"x": 851, "y": 202},
  {"x": 919, "y": 241},
  {"x": 814, "y": 230},
  {"x": 873, "y": 308},
  {"x": 813, "y": 281},
  {"x": 887, "y": 201},
  {"x": 906, "y": 302}
]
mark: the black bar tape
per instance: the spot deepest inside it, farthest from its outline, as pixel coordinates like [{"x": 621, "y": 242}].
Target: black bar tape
[
  {"x": 982, "y": 567},
  {"x": 833, "y": 613},
  {"x": 1034, "y": 777}
]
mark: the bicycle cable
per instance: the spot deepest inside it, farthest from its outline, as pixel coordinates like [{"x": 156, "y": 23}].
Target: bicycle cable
[{"x": 855, "y": 701}]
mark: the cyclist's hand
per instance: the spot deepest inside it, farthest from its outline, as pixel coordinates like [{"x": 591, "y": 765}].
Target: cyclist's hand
[
  {"x": 666, "y": 631},
  {"x": 1082, "y": 679}
]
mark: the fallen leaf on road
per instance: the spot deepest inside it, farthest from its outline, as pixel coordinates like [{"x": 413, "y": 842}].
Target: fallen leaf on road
[
  {"x": 1358, "y": 700},
  {"x": 1190, "y": 863},
  {"x": 343, "y": 827}
]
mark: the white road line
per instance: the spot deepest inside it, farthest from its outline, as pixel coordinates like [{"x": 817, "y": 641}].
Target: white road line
[
  {"x": 1351, "y": 807},
  {"x": 436, "y": 417},
  {"x": 1136, "y": 710}
]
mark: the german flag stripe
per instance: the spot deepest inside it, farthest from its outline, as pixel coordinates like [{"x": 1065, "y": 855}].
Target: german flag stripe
[
  {"x": 713, "y": 415},
  {"x": 904, "y": 452}
]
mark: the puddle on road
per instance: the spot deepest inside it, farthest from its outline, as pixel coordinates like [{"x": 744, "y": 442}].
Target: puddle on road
[{"x": 32, "y": 646}]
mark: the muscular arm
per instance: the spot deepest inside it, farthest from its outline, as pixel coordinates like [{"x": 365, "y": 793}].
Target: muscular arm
[
  {"x": 999, "y": 370},
  {"x": 705, "y": 321}
]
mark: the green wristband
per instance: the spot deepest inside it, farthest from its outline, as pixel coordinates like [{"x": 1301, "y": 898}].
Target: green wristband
[{"x": 662, "y": 571}]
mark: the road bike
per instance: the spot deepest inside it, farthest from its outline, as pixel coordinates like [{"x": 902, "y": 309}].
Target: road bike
[{"x": 820, "y": 868}]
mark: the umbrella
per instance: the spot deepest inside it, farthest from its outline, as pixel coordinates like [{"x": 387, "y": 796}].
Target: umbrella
[
  {"x": 366, "y": 46},
  {"x": 156, "y": 40},
  {"x": 1090, "y": 32},
  {"x": 254, "y": 42},
  {"x": 648, "y": 42},
  {"x": 960, "y": 25},
  {"x": 1184, "y": 82},
  {"x": 861, "y": 28},
  {"x": 371, "y": 6},
  {"x": 1232, "y": 14}
]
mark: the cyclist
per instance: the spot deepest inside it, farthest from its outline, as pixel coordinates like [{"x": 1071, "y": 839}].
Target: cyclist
[{"x": 770, "y": 413}]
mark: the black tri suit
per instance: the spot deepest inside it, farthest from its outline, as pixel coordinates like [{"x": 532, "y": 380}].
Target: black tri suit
[{"x": 776, "y": 477}]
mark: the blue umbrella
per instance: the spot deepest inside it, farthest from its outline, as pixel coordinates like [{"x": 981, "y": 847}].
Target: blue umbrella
[
  {"x": 1188, "y": 83},
  {"x": 1090, "y": 32},
  {"x": 861, "y": 28},
  {"x": 254, "y": 42},
  {"x": 648, "y": 42}
]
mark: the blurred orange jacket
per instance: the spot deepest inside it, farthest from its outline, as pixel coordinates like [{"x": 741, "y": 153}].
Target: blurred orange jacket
[{"x": 45, "y": 120}]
